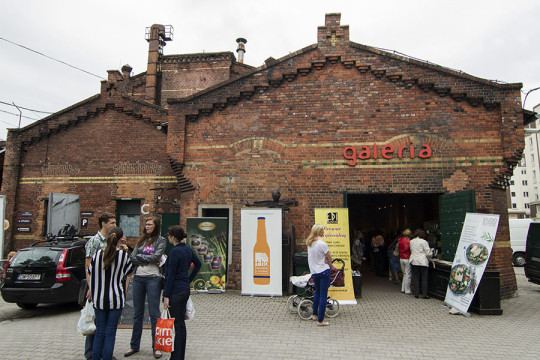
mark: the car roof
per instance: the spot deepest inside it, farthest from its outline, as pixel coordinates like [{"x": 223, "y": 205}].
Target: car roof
[{"x": 59, "y": 243}]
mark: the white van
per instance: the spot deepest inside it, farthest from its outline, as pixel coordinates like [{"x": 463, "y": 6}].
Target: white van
[{"x": 518, "y": 239}]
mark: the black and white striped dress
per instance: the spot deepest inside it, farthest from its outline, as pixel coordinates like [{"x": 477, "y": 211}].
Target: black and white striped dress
[{"x": 106, "y": 285}]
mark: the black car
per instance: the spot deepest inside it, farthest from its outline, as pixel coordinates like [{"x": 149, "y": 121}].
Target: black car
[
  {"x": 532, "y": 266},
  {"x": 47, "y": 272}
]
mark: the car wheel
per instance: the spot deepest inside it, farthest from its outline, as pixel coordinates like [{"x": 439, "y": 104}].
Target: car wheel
[
  {"x": 519, "y": 259},
  {"x": 27, "y": 306}
]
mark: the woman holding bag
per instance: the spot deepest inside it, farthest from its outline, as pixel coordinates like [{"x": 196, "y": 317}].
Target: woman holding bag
[
  {"x": 177, "y": 285},
  {"x": 147, "y": 281},
  {"x": 107, "y": 270}
]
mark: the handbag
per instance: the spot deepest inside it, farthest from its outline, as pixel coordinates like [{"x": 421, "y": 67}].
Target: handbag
[
  {"x": 190, "y": 310},
  {"x": 86, "y": 325},
  {"x": 164, "y": 339},
  {"x": 396, "y": 250},
  {"x": 337, "y": 277}
]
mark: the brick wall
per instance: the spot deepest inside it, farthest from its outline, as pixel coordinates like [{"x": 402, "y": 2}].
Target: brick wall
[{"x": 285, "y": 127}]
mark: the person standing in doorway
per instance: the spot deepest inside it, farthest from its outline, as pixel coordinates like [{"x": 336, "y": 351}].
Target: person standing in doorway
[
  {"x": 147, "y": 281},
  {"x": 106, "y": 222},
  {"x": 319, "y": 260},
  {"x": 177, "y": 286},
  {"x": 107, "y": 270},
  {"x": 404, "y": 255},
  {"x": 377, "y": 245},
  {"x": 419, "y": 262}
]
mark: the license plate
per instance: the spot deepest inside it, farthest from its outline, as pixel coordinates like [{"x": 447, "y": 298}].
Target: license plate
[{"x": 29, "y": 277}]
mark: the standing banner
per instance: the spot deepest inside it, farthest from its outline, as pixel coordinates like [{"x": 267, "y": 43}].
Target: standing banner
[
  {"x": 261, "y": 251},
  {"x": 208, "y": 239},
  {"x": 472, "y": 255},
  {"x": 336, "y": 235}
]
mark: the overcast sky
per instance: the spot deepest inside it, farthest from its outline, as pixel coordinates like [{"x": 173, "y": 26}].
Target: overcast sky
[{"x": 495, "y": 40}]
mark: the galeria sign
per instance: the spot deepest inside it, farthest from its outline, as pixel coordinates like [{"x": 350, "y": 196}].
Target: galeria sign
[{"x": 386, "y": 152}]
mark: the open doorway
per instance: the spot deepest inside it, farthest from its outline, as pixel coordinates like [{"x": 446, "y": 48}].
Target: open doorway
[{"x": 389, "y": 215}]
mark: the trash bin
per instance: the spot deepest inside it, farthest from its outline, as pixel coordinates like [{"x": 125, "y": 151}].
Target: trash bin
[
  {"x": 301, "y": 267},
  {"x": 357, "y": 285}
]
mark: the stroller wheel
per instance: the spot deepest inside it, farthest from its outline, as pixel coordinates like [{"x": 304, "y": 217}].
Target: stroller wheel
[
  {"x": 292, "y": 303},
  {"x": 305, "y": 309},
  {"x": 332, "y": 308}
]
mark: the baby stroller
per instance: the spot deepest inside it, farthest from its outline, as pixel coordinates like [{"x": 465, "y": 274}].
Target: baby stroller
[{"x": 303, "y": 304}]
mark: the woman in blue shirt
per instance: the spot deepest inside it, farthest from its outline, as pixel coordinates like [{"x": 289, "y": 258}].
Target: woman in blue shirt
[{"x": 177, "y": 285}]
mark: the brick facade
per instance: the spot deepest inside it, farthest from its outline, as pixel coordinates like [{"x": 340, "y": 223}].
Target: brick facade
[{"x": 242, "y": 132}]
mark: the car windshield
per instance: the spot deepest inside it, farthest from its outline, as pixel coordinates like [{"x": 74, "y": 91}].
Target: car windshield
[{"x": 36, "y": 257}]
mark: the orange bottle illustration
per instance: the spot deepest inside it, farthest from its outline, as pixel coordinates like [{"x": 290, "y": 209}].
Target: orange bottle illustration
[{"x": 261, "y": 255}]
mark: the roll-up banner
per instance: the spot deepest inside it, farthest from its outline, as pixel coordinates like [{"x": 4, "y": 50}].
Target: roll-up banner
[
  {"x": 336, "y": 236},
  {"x": 261, "y": 239},
  {"x": 472, "y": 255},
  {"x": 208, "y": 239}
]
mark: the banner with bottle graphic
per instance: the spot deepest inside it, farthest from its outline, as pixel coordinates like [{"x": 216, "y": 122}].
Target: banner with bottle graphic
[
  {"x": 208, "y": 239},
  {"x": 261, "y": 251},
  {"x": 336, "y": 236},
  {"x": 472, "y": 255}
]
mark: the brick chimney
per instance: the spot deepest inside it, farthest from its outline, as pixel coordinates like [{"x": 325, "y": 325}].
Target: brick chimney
[
  {"x": 126, "y": 71},
  {"x": 156, "y": 36}
]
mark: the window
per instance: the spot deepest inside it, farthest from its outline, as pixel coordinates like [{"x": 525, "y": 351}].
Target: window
[
  {"x": 531, "y": 142},
  {"x": 536, "y": 193},
  {"x": 534, "y": 176},
  {"x": 527, "y": 206},
  {"x": 129, "y": 217},
  {"x": 523, "y": 162},
  {"x": 524, "y": 172},
  {"x": 532, "y": 160},
  {"x": 513, "y": 194},
  {"x": 514, "y": 206},
  {"x": 511, "y": 182},
  {"x": 524, "y": 182},
  {"x": 525, "y": 194}
]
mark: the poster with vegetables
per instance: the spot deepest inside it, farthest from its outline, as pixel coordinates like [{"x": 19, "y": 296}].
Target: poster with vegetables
[
  {"x": 208, "y": 239},
  {"x": 472, "y": 255}
]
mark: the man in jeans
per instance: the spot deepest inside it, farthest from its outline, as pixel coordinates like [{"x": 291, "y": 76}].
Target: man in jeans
[{"x": 106, "y": 222}]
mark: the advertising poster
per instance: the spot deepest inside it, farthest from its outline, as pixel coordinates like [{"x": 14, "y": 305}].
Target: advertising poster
[
  {"x": 472, "y": 255},
  {"x": 208, "y": 239},
  {"x": 261, "y": 252},
  {"x": 336, "y": 235}
]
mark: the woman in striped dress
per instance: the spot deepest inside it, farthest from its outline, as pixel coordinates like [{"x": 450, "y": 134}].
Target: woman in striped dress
[{"x": 107, "y": 270}]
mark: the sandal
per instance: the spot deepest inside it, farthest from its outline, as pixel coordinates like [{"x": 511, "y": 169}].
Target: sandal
[
  {"x": 157, "y": 354},
  {"x": 314, "y": 317},
  {"x": 324, "y": 323}
]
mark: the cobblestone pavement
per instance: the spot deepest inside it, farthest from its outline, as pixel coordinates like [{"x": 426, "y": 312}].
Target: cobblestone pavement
[{"x": 385, "y": 324}]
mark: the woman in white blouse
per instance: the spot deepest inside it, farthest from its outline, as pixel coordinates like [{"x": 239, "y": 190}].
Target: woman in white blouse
[{"x": 419, "y": 262}]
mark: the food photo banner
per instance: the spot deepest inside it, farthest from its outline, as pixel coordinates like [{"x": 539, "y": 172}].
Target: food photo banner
[
  {"x": 472, "y": 255},
  {"x": 208, "y": 239},
  {"x": 261, "y": 251},
  {"x": 336, "y": 236}
]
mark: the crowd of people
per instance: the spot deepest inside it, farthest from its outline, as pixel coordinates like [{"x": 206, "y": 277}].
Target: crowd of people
[
  {"x": 110, "y": 267},
  {"x": 405, "y": 251}
]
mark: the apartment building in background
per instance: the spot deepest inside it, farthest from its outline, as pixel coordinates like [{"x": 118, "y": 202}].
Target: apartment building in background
[{"x": 524, "y": 193}]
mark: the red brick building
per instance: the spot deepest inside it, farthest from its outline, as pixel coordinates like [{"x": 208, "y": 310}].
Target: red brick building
[{"x": 335, "y": 124}]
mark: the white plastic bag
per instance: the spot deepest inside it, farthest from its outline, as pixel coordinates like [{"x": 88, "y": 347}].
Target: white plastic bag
[
  {"x": 190, "y": 310},
  {"x": 86, "y": 325}
]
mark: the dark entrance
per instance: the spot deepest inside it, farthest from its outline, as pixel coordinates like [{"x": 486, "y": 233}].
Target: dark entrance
[{"x": 391, "y": 213}]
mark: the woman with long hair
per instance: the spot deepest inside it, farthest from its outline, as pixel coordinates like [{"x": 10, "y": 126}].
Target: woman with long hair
[
  {"x": 147, "y": 281},
  {"x": 319, "y": 260},
  {"x": 177, "y": 285},
  {"x": 107, "y": 270}
]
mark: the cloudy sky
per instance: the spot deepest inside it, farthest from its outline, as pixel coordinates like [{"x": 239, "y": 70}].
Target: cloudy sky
[{"x": 495, "y": 40}]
